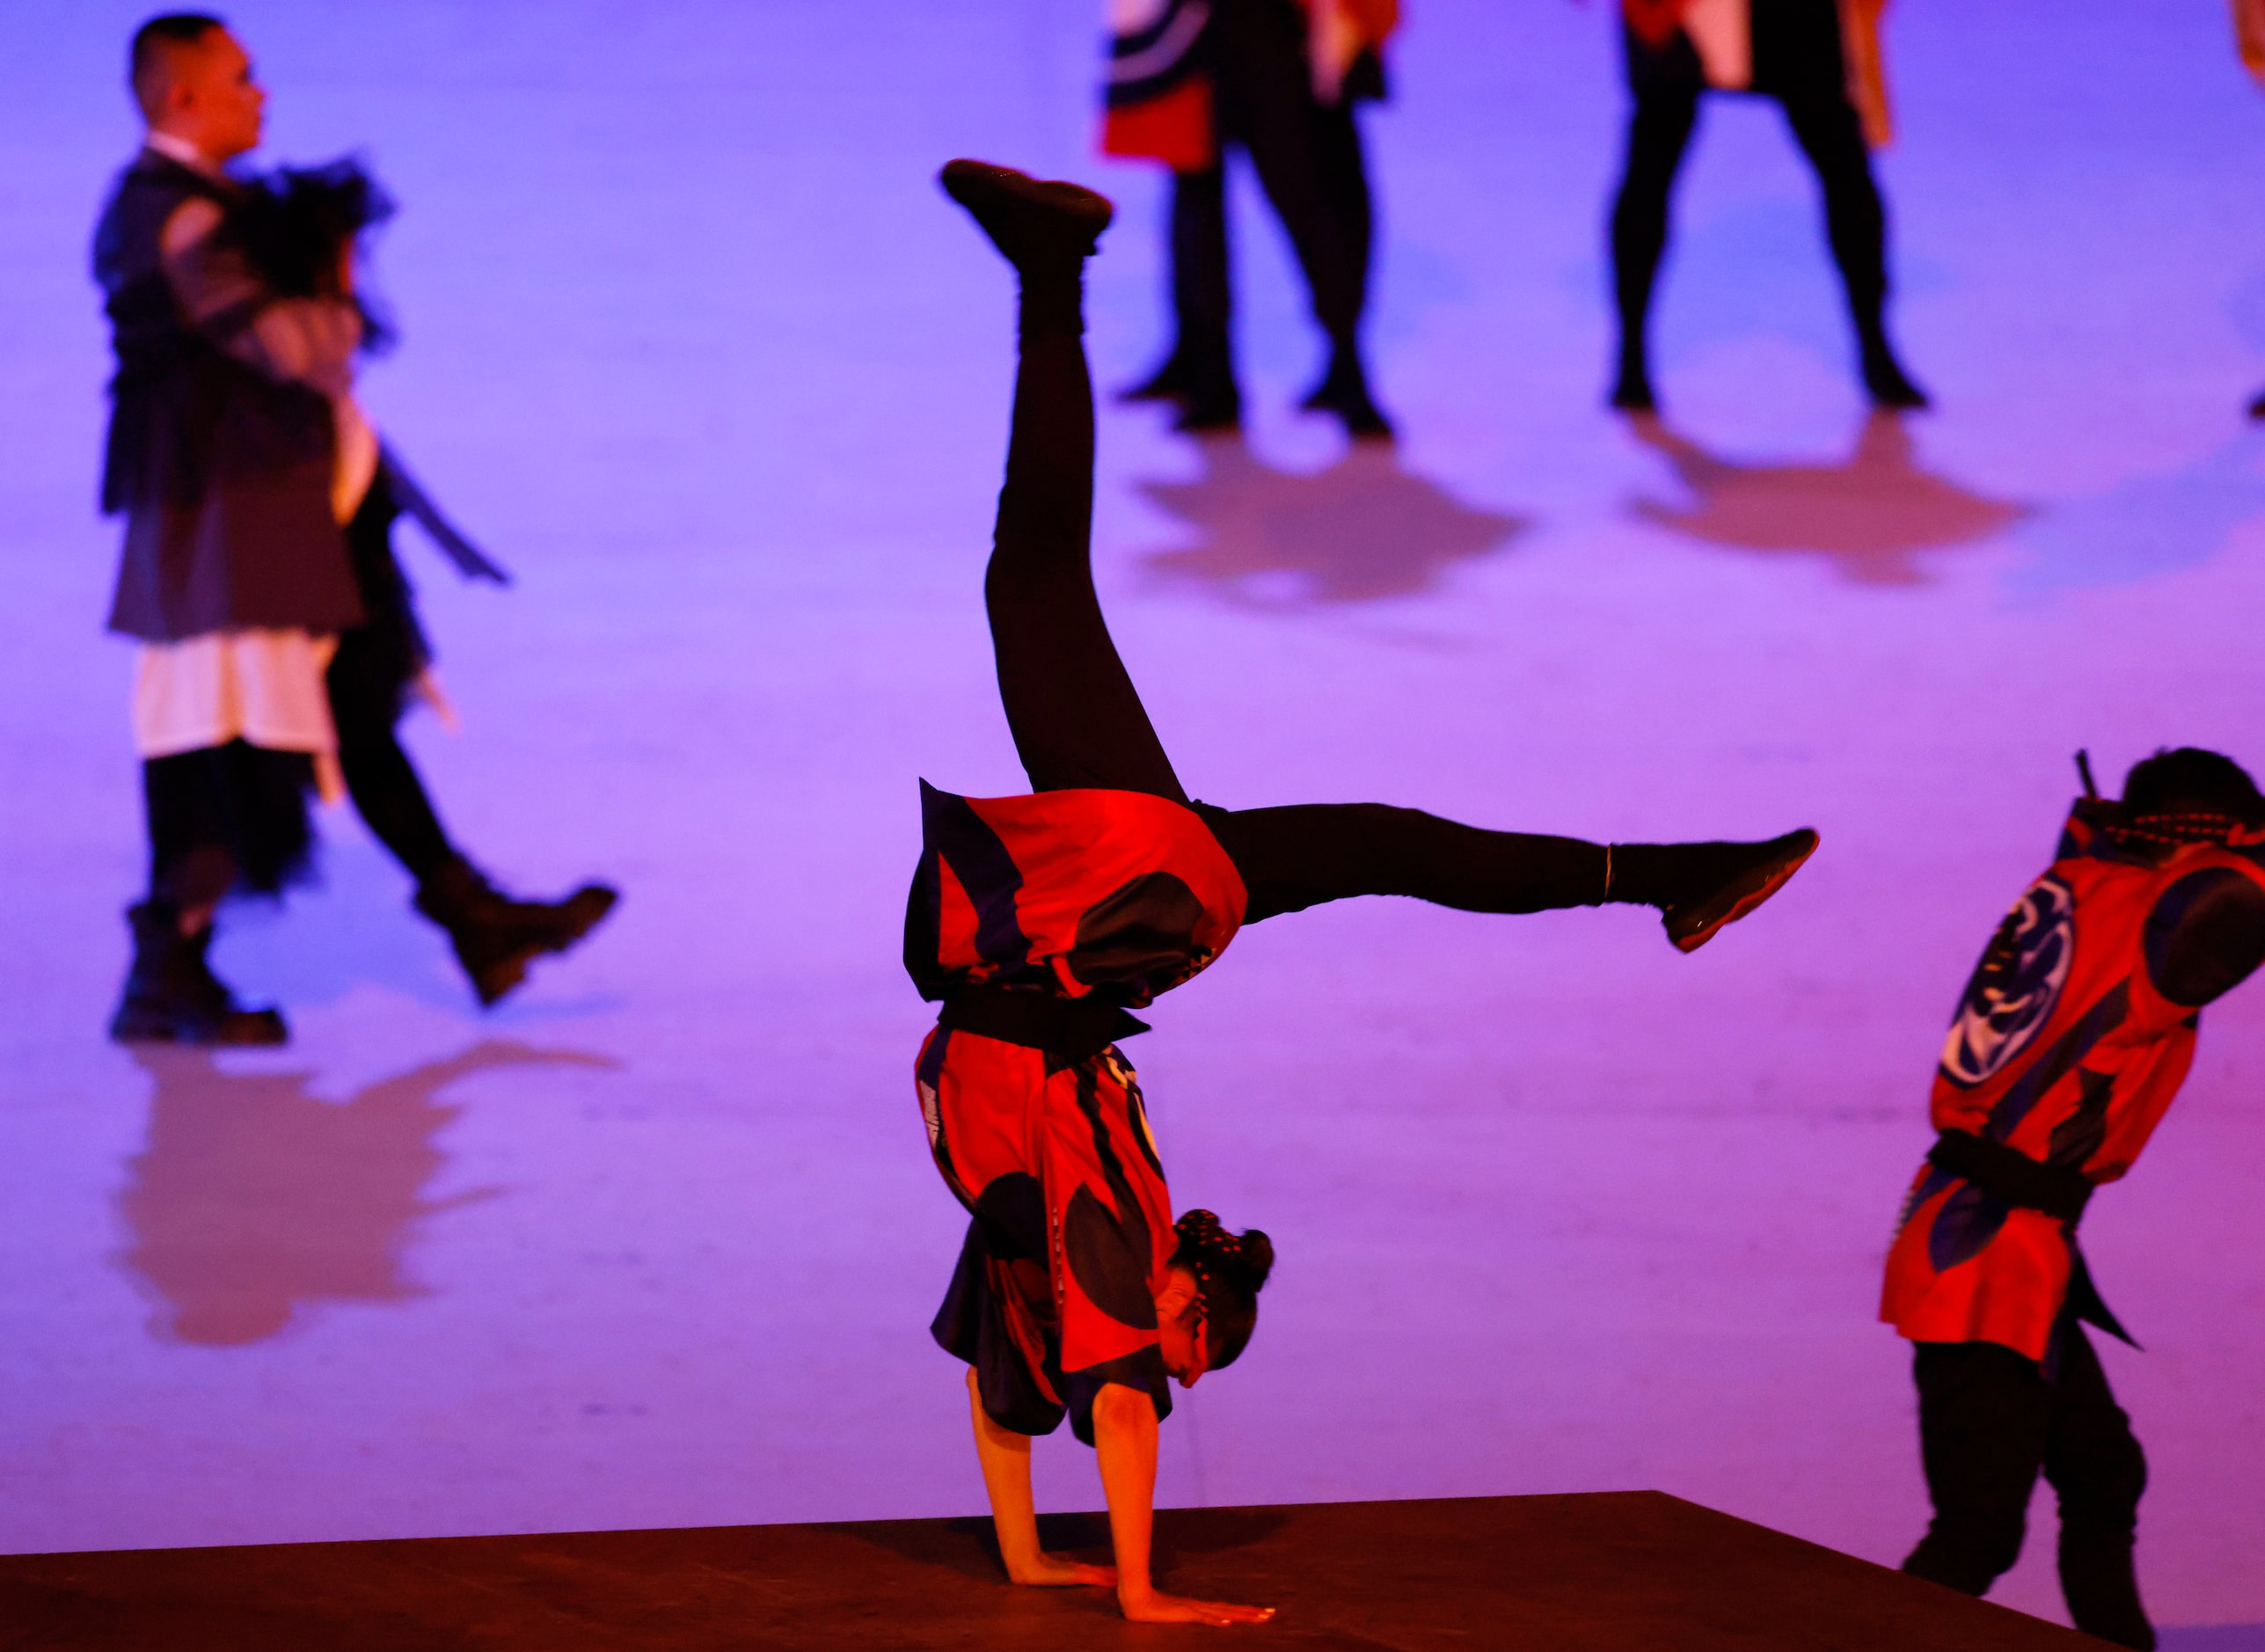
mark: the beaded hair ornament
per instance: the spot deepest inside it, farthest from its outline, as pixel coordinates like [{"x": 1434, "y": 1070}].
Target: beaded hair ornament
[{"x": 1201, "y": 1235}]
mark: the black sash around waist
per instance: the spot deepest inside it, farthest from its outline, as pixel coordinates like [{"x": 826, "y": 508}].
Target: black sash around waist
[
  {"x": 1068, "y": 1029},
  {"x": 2007, "y": 1174}
]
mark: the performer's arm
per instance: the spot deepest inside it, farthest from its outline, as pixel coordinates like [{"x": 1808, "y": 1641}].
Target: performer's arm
[
  {"x": 2210, "y": 943},
  {"x": 1125, "y": 1440},
  {"x": 311, "y": 340},
  {"x": 1005, "y": 1457}
]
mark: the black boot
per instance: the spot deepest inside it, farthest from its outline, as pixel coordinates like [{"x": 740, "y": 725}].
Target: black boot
[
  {"x": 172, "y": 997},
  {"x": 1631, "y": 391},
  {"x": 496, "y": 937},
  {"x": 2102, "y": 1592},
  {"x": 1033, "y": 223},
  {"x": 1699, "y": 888},
  {"x": 1884, "y": 378},
  {"x": 1344, "y": 390}
]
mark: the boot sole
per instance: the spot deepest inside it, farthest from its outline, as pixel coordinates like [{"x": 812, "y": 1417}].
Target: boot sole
[{"x": 1746, "y": 900}]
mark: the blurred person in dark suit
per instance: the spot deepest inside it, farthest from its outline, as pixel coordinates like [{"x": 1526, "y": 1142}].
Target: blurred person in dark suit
[{"x": 278, "y": 644}]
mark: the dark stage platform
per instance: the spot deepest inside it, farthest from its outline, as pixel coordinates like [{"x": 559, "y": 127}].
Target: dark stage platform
[{"x": 1613, "y": 1570}]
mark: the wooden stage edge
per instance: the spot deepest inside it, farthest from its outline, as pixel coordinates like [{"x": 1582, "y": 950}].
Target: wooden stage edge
[{"x": 1604, "y": 1571}]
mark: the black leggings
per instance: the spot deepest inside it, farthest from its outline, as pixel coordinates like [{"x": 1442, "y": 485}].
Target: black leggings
[
  {"x": 1826, "y": 127},
  {"x": 1989, "y": 1422},
  {"x": 1078, "y": 722},
  {"x": 367, "y": 678},
  {"x": 233, "y": 818}
]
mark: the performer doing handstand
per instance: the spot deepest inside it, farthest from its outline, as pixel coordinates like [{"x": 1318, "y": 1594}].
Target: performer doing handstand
[{"x": 1039, "y": 920}]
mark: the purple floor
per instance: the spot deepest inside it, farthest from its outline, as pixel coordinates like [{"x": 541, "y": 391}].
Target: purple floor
[{"x": 692, "y": 343}]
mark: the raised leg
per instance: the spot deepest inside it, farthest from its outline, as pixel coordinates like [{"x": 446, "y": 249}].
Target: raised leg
[
  {"x": 1076, "y": 718},
  {"x": 1659, "y": 130}
]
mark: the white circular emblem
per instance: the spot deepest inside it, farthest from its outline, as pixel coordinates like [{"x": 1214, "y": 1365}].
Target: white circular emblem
[{"x": 2015, "y": 986}]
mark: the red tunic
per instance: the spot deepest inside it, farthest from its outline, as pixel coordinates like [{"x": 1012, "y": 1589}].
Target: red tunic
[
  {"x": 1069, "y": 895},
  {"x": 2069, "y": 1043}
]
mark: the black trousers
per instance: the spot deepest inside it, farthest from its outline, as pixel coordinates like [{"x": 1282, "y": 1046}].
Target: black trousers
[
  {"x": 233, "y": 818},
  {"x": 369, "y": 681},
  {"x": 1990, "y": 1422},
  {"x": 1308, "y": 162},
  {"x": 1077, "y": 721},
  {"x": 1797, "y": 61}
]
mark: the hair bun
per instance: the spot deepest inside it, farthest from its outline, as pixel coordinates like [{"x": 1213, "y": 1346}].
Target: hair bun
[
  {"x": 1247, "y": 1258},
  {"x": 1255, "y": 1260}
]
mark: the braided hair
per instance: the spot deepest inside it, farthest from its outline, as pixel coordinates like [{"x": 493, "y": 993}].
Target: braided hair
[{"x": 1230, "y": 1269}]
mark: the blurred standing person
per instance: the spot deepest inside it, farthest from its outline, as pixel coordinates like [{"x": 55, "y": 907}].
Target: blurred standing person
[
  {"x": 1280, "y": 78},
  {"x": 2069, "y": 1044},
  {"x": 277, "y": 640},
  {"x": 1821, "y": 61}
]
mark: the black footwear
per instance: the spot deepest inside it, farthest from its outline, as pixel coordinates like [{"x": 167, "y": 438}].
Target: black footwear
[
  {"x": 1887, "y": 384},
  {"x": 1168, "y": 382},
  {"x": 1344, "y": 390},
  {"x": 496, "y": 937},
  {"x": 1210, "y": 413},
  {"x": 1030, "y": 220},
  {"x": 1631, "y": 391},
  {"x": 172, "y": 997},
  {"x": 1743, "y": 876}
]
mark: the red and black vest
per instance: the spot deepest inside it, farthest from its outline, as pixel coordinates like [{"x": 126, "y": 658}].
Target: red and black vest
[
  {"x": 2069, "y": 1043},
  {"x": 1117, "y": 895}
]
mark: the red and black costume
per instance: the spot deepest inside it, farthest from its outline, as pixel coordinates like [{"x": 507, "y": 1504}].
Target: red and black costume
[
  {"x": 1039, "y": 921},
  {"x": 2069, "y": 1043}
]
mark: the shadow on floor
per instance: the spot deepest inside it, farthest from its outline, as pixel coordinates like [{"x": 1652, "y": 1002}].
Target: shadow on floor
[
  {"x": 1361, "y": 530},
  {"x": 2214, "y": 1637},
  {"x": 251, "y": 1200},
  {"x": 1871, "y": 514},
  {"x": 2147, "y": 526}
]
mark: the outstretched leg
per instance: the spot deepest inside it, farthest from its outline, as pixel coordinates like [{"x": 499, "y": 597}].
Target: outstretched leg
[
  {"x": 1075, "y": 715},
  {"x": 1659, "y": 128},
  {"x": 1300, "y": 856},
  {"x": 496, "y": 937}
]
